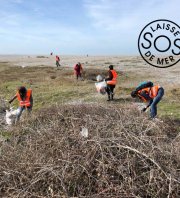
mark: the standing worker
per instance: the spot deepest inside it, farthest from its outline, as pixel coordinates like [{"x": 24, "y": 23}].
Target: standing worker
[
  {"x": 150, "y": 93},
  {"x": 78, "y": 70},
  {"x": 111, "y": 82},
  {"x": 25, "y": 99},
  {"x": 57, "y": 61}
]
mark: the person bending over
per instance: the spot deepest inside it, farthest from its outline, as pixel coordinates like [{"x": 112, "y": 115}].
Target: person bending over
[
  {"x": 150, "y": 93},
  {"x": 24, "y": 96}
]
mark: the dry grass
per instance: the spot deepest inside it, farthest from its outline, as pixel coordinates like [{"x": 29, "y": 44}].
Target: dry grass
[{"x": 125, "y": 155}]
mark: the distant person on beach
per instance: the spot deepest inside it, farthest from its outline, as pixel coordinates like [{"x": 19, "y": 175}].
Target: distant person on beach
[
  {"x": 57, "y": 61},
  {"x": 78, "y": 70},
  {"x": 152, "y": 94},
  {"x": 111, "y": 82},
  {"x": 51, "y": 53},
  {"x": 25, "y": 99}
]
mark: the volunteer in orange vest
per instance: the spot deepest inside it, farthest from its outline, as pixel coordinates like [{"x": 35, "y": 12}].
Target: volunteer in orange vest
[
  {"x": 25, "y": 99},
  {"x": 151, "y": 94},
  {"x": 111, "y": 82}
]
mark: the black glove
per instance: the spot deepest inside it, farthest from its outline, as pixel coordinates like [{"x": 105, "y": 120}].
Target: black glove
[{"x": 144, "y": 109}]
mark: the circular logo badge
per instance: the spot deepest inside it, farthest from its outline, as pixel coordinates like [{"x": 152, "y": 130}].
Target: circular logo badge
[{"x": 159, "y": 43}]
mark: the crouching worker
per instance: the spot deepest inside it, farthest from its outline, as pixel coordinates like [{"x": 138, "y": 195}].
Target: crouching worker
[
  {"x": 111, "y": 82},
  {"x": 25, "y": 99},
  {"x": 150, "y": 93}
]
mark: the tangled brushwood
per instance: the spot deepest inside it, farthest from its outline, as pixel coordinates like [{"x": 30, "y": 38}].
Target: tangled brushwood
[{"x": 124, "y": 155}]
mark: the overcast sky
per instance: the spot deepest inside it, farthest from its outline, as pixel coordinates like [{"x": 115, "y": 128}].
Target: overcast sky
[{"x": 78, "y": 27}]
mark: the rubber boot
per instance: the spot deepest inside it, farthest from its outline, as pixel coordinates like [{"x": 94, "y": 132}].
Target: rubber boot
[
  {"x": 108, "y": 98},
  {"x": 112, "y": 96}
]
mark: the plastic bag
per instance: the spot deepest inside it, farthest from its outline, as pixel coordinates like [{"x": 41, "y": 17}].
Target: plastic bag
[
  {"x": 101, "y": 87},
  {"x": 84, "y": 132},
  {"x": 11, "y": 115},
  {"x": 99, "y": 78}
]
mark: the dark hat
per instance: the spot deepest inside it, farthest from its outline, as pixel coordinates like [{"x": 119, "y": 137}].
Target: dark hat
[
  {"x": 111, "y": 67},
  {"x": 133, "y": 94}
]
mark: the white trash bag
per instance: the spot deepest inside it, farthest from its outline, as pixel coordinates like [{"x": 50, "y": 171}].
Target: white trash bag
[
  {"x": 84, "y": 132},
  {"x": 101, "y": 87},
  {"x": 11, "y": 115},
  {"x": 99, "y": 78}
]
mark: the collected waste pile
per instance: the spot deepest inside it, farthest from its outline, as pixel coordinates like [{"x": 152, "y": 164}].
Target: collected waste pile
[{"x": 123, "y": 154}]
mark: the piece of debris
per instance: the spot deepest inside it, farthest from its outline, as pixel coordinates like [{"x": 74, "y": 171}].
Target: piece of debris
[
  {"x": 11, "y": 115},
  {"x": 84, "y": 132}
]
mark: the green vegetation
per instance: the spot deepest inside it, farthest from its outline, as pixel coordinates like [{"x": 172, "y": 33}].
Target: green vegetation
[
  {"x": 51, "y": 86},
  {"x": 169, "y": 109},
  {"x": 41, "y": 57}
]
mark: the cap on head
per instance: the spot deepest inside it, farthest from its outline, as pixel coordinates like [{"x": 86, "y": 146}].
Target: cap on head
[
  {"x": 133, "y": 94},
  {"x": 111, "y": 67}
]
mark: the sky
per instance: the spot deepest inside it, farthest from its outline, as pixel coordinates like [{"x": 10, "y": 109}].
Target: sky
[{"x": 78, "y": 27}]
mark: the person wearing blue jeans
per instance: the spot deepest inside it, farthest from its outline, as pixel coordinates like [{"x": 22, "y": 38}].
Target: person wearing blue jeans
[
  {"x": 147, "y": 92},
  {"x": 153, "y": 103},
  {"x": 20, "y": 110}
]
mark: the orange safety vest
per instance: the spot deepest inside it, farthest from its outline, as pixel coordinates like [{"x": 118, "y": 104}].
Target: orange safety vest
[
  {"x": 114, "y": 80},
  {"x": 152, "y": 91},
  {"x": 25, "y": 102}
]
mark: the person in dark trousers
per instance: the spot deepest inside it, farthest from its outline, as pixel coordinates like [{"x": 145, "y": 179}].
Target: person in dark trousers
[
  {"x": 111, "y": 82},
  {"x": 151, "y": 94},
  {"x": 57, "y": 61},
  {"x": 78, "y": 70},
  {"x": 25, "y": 99}
]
